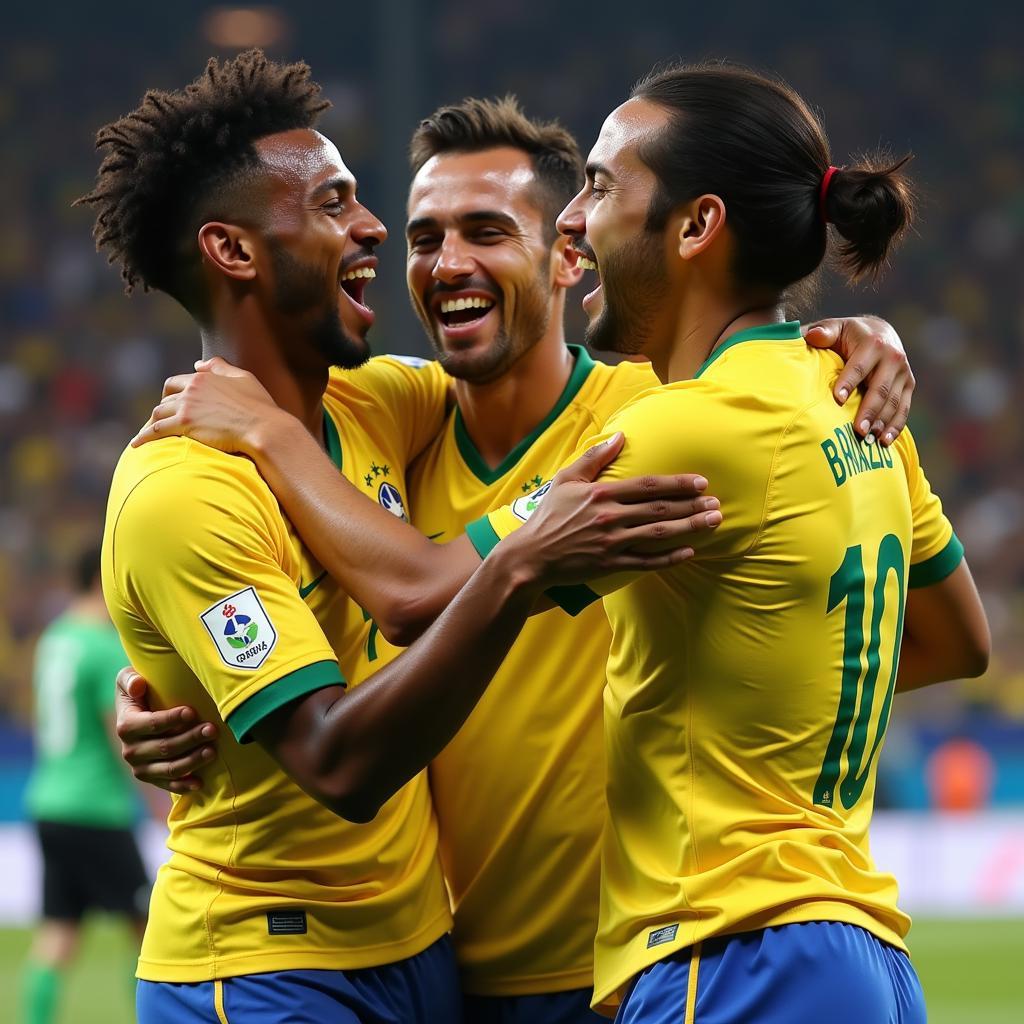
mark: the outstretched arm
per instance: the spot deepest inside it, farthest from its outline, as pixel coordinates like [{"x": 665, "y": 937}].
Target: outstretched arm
[{"x": 402, "y": 579}]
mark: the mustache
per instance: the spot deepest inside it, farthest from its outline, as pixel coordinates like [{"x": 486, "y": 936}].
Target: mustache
[
  {"x": 469, "y": 284},
  {"x": 362, "y": 253},
  {"x": 581, "y": 246}
]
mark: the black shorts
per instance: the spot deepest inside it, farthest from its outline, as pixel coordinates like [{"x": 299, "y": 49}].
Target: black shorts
[{"x": 86, "y": 868}]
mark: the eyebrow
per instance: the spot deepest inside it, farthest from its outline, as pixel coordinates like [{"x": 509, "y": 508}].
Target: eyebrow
[
  {"x": 474, "y": 217},
  {"x": 593, "y": 170},
  {"x": 337, "y": 184}
]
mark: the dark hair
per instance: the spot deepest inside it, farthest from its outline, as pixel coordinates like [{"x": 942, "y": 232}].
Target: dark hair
[
  {"x": 476, "y": 124},
  {"x": 752, "y": 141},
  {"x": 87, "y": 569},
  {"x": 176, "y": 161}
]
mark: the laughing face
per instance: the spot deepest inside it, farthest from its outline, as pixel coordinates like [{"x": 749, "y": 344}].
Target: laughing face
[
  {"x": 607, "y": 226},
  {"x": 320, "y": 242},
  {"x": 479, "y": 260}
]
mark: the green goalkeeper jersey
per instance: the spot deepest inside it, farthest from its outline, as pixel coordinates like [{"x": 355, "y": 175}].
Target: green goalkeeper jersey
[{"x": 78, "y": 778}]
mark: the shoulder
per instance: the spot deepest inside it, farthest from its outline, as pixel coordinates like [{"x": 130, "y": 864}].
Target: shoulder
[
  {"x": 388, "y": 375},
  {"x": 178, "y": 487}
]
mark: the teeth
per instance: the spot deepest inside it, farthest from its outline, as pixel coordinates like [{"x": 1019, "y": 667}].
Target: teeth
[
  {"x": 474, "y": 302},
  {"x": 586, "y": 264},
  {"x": 360, "y": 272}
]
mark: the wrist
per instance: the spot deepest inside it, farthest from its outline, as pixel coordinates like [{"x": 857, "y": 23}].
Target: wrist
[
  {"x": 510, "y": 562},
  {"x": 264, "y": 440}
]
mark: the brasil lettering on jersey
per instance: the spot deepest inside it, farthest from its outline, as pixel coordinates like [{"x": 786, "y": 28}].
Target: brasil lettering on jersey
[{"x": 849, "y": 455}]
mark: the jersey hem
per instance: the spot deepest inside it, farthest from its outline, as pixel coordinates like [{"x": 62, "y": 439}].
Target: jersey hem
[
  {"x": 607, "y": 997},
  {"x": 938, "y": 567},
  {"x": 252, "y": 711},
  {"x": 296, "y": 960}
]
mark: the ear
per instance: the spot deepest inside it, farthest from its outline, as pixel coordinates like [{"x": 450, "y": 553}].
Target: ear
[
  {"x": 702, "y": 222},
  {"x": 229, "y": 249},
  {"x": 565, "y": 272}
]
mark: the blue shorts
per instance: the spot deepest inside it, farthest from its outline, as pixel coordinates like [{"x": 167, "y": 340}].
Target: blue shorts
[
  {"x": 571, "y": 1007},
  {"x": 421, "y": 990},
  {"x": 822, "y": 972}
]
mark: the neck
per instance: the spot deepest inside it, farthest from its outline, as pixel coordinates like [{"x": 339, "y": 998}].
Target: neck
[
  {"x": 245, "y": 337},
  {"x": 500, "y": 414},
  {"x": 702, "y": 324}
]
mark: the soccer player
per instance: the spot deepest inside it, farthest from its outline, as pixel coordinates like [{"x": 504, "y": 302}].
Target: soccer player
[
  {"x": 748, "y": 698},
  {"x": 80, "y": 797},
  {"x": 519, "y": 792},
  {"x": 223, "y": 196}
]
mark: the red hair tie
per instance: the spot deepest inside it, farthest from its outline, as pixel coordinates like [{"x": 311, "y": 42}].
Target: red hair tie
[{"x": 823, "y": 193}]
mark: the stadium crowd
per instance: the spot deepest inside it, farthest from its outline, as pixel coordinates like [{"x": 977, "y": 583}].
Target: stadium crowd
[{"x": 80, "y": 367}]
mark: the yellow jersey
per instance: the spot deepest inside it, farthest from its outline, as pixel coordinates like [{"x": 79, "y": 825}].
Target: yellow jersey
[
  {"x": 519, "y": 791},
  {"x": 220, "y": 606},
  {"x": 749, "y": 689}
]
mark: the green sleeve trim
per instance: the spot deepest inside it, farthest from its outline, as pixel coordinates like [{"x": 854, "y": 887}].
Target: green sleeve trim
[
  {"x": 482, "y": 536},
  {"x": 573, "y": 599},
  {"x": 303, "y": 680},
  {"x": 938, "y": 567}
]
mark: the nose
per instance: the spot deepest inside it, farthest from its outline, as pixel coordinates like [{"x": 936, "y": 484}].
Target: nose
[
  {"x": 453, "y": 260},
  {"x": 367, "y": 229},
  {"x": 572, "y": 221}
]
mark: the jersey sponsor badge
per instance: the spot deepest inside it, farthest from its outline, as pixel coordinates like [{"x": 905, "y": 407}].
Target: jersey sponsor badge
[
  {"x": 660, "y": 936},
  {"x": 390, "y": 498},
  {"x": 525, "y": 506},
  {"x": 241, "y": 629}
]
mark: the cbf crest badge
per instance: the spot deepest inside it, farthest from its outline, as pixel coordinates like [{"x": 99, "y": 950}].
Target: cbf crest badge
[
  {"x": 390, "y": 498},
  {"x": 525, "y": 506},
  {"x": 240, "y": 629}
]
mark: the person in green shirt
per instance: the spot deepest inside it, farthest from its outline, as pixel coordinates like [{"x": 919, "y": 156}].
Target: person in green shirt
[{"x": 80, "y": 798}]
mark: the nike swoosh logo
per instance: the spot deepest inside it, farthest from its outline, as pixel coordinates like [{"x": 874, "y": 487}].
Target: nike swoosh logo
[
  {"x": 434, "y": 536},
  {"x": 308, "y": 589}
]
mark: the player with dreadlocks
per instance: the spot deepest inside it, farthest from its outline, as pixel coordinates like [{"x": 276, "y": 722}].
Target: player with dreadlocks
[{"x": 272, "y": 907}]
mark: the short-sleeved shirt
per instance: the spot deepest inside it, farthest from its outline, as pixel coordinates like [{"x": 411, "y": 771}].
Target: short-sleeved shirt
[
  {"x": 77, "y": 778},
  {"x": 519, "y": 791},
  {"x": 220, "y": 606},
  {"x": 749, "y": 689}
]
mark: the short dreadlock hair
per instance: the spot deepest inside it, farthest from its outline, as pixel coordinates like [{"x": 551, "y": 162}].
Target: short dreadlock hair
[
  {"x": 475, "y": 125},
  {"x": 176, "y": 162}
]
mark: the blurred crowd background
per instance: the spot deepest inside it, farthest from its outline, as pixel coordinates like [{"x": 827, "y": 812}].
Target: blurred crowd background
[{"x": 81, "y": 365}]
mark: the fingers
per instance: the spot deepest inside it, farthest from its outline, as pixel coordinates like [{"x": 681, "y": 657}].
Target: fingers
[
  {"x": 134, "y": 724},
  {"x": 648, "y": 488},
  {"x": 823, "y": 333},
  {"x": 665, "y": 531},
  {"x": 593, "y": 461},
  {"x": 164, "y": 421},
  {"x": 660, "y": 510},
  {"x": 220, "y": 367},
  {"x": 176, "y": 384}
]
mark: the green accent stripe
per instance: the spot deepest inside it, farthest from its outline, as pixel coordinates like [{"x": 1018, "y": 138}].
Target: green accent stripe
[
  {"x": 472, "y": 457},
  {"x": 482, "y": 536},
  {"x": 308, "y": 589},
  {"x": 938, "y": 567},
  {"x": 295, "y": 684},
  {"x": 573, "y": 599},
  {"x": 333, "y": 439},
  {"x": 789, "y": 330}
]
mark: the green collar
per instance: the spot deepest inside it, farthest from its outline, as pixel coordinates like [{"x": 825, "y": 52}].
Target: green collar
[
  {"x": 472, "y": 457},
  {"x": 787, "y": 331},
  {"x": 333, "y": 439}
]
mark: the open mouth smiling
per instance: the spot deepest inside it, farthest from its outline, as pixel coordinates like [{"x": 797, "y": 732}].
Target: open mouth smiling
[
  {"x": 462, "y": 312},
  {"x": 353, "y": 283}
]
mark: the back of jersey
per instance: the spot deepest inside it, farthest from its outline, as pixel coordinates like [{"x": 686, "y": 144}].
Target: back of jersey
[{"x": 78, "y": 778}]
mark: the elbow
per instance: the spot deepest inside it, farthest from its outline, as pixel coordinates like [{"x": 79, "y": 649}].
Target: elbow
[
  {"x": 977, "y": 657},
  {"x": 349, "y": 794},
  {"x": 404, "y": 621}
]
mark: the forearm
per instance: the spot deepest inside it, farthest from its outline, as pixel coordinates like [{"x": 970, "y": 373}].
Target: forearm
[
  {"x": 374, "y": 739},
  {"x": 402, "y": 579}
]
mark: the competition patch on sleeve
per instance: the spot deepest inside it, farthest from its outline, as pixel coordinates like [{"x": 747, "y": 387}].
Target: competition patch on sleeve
[
  {"x": 241, "y": 629},
  {"x": 414, "y": 361},
  {"x": 525, "y": 506}
]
